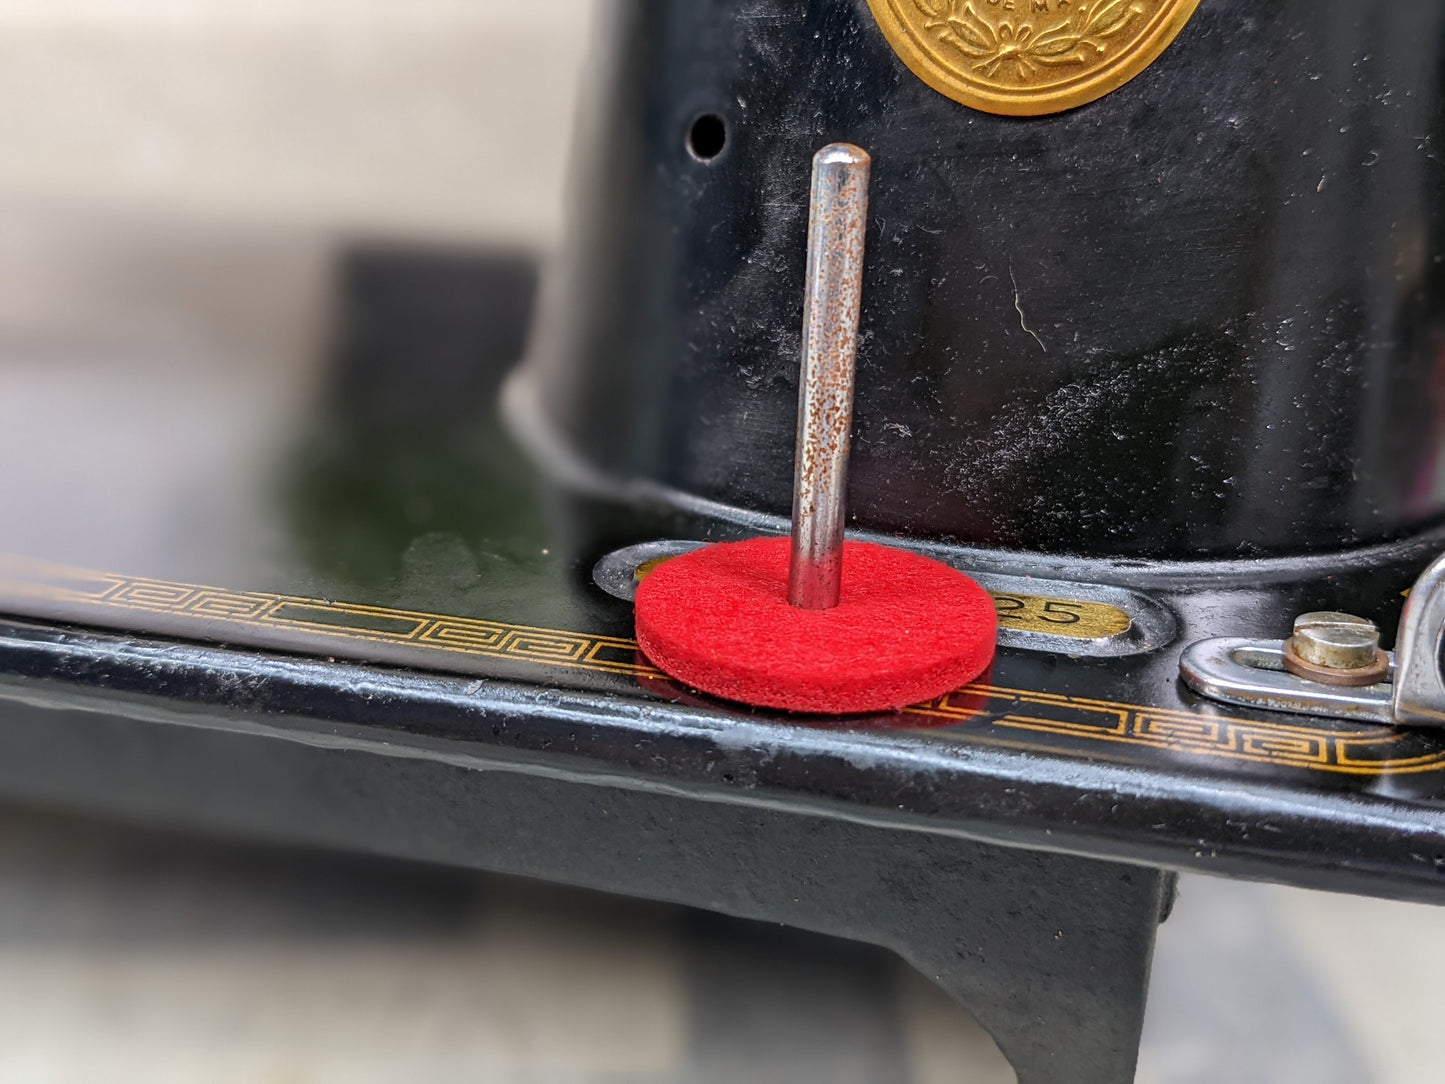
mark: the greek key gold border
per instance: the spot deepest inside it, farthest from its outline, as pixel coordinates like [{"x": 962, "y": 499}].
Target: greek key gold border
[
  {"x": 1356, "y": 749},
  {"x": 1349, "y": 749},
  {"x": 213, "y": 608}
]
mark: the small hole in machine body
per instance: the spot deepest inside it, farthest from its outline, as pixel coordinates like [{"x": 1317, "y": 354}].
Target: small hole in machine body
[{"x": 707, "y": 137}]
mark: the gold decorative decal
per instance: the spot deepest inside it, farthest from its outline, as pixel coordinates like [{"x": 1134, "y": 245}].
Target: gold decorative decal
[
  {"x": 1362, "y": 749},
  {"x": 977, "y": 713},
  {"x": 1025, "y": 58},
  {"x": 324, "y": 625}
]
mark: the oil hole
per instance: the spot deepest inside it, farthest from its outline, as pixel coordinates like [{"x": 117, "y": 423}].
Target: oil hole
[{"x": 707, "y": 137}]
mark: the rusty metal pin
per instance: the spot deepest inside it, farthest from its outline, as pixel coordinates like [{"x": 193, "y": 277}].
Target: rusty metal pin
[{"x": 837, "y": 223}]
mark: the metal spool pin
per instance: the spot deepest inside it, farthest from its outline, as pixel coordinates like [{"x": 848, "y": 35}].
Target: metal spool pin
[{"x": 837, "y": 224}]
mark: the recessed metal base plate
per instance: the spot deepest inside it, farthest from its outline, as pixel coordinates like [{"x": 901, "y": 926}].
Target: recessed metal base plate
[{"x": 1079, "y": 619}]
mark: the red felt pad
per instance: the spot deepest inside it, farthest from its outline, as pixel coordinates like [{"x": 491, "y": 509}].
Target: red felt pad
[{"x": 907, "y": 629}]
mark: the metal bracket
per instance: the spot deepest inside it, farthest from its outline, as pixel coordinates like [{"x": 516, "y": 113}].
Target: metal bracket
[
  {"x": 1419, "y": 692},
  {"x": 1251, "y": 673}
]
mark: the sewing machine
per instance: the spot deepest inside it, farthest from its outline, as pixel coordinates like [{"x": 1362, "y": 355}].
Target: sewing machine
[{"x": 1150, "y": 348}]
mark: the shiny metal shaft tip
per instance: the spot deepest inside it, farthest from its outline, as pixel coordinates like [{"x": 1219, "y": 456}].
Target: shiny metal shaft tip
[{"x": 837, "y": 224}]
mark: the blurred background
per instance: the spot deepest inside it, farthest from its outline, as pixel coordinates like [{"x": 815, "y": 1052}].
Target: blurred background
[{"x": 177, "y": 181}]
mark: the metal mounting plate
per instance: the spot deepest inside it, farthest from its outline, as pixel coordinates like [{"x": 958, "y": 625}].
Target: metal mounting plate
[
  {"x": 1087, "y": 620},
  {"x": 1251, "y": 673}
]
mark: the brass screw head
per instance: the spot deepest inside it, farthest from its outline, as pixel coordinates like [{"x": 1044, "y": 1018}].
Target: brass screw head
[{"x": 1336, "y": 641}]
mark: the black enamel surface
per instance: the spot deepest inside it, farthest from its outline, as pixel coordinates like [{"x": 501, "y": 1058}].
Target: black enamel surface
[{"x": 1200, "y": 316}]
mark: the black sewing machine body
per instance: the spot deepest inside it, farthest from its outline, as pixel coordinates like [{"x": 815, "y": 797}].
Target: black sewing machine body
[{"x": 1198, "y": 317}]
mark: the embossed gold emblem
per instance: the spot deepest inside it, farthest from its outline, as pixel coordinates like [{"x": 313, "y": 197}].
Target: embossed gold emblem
[{"x": 1029, "y": 57}]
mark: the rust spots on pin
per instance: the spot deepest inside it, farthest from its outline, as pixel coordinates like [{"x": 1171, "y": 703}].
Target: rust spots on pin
[{"x": 837, "y": 226}]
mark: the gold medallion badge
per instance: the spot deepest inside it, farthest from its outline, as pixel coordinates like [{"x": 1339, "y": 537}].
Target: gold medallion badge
[{"x": 1029, "y": 57}]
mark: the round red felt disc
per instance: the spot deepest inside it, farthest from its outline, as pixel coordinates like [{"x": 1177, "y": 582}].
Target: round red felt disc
[{"x": 907, "y": 629}]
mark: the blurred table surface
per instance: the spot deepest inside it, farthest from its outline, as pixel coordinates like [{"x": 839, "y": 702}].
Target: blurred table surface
[{"x": 139, "y": 955}]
